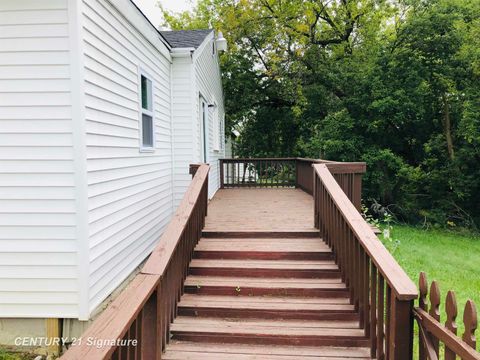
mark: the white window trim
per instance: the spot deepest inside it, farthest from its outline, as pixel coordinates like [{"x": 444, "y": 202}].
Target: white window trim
[
  {"x": 141, "y": 111},
  {"x": 222, "y": 133}
]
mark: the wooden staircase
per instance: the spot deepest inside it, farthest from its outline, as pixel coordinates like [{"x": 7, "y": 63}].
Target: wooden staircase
[{"x": 265, "y": 295}]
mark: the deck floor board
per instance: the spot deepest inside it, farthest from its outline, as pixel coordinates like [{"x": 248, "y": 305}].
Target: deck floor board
[{"x": 260, "y": 209}]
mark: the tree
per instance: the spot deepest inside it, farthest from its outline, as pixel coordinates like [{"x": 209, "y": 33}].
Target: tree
[{"x": 395, "y": 84}]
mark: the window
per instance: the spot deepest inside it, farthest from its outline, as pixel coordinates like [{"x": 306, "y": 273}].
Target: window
[{"x": 147, "y": 127}]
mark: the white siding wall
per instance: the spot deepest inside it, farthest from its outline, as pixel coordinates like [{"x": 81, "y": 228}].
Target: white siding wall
[
  {"x": 182, "y": 108},
  {"x": 129, "y": 192},
  {"x": 209, "y": 84},
  {"x": 38, "y": 251}
]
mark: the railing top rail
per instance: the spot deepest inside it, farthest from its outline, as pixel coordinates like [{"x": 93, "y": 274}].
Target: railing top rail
[
  {"x": 396, "y": 277},
  {"x": 161, "y": 255},
  {"x": 347, "y": 167},
  {"x": 316, "y": 161},
  {"x": 258, "y": 159},
  {"x": 335, "y": 166}
]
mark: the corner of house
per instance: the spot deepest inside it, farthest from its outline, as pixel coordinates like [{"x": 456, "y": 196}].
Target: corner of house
[{"x": 79, "y": 147}]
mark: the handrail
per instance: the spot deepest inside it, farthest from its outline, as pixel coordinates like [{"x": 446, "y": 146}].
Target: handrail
[
  {"x": 136, "y": 324},
  {"x": 396, "y": 277},
  {"x": 162, "y": 254},
  {"x": 380, "y": 290}
]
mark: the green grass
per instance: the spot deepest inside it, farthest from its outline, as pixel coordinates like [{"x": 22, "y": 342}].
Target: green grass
[
  {"x": 8, "y": 355},
  {"x": 452, "y": 259}
]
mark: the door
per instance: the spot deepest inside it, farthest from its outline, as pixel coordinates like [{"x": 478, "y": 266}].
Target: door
[{"x": 204, "y": 129}]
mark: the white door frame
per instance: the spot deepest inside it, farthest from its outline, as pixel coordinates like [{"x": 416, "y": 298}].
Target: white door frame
[{"x": 203, "y": 112}]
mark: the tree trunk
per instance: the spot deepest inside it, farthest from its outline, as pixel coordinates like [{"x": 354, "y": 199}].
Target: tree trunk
[{"x": 447, "y": 127}]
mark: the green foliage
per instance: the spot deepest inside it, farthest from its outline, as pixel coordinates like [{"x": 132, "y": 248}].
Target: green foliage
[{"x": 395, "y": 84}]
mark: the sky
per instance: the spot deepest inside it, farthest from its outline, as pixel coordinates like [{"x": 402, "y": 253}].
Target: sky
[{"x": 151, "y": 10}]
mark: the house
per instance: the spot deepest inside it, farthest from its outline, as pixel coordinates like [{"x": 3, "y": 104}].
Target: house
[{"x": 100, "y": 116}]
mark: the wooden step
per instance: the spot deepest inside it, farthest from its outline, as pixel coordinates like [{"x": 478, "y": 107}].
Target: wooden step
[
  {"x": 211, "y": 233},
  {"x": 254, "y": 331},
  {"x": 183, "y": 350},
  {"x": 265, "y": 268},
  {"x": 254, "y": 286},
  {"x": 263, "y": 249},
  {"x": 266, "y": 307}
]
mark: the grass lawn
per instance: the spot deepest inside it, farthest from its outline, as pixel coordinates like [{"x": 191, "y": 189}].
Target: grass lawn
[
  {"x": 8, "y": 355},
  {"x": 450, "y": 258}
]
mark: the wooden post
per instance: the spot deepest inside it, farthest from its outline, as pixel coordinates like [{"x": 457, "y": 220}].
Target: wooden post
[
  {"x": 193, "y": 169},
  {"x": 357, "y": 191},
  {"x": 296, "y": 173},
  {"x": 222, "y": 185},
  {"x": 54, "y": 334},
  {"x": 315, "y": 200},
  {"x": 401, "y": 329}
]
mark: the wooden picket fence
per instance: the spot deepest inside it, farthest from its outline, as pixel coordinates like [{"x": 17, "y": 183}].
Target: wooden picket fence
[{"x": 432, "y": 332}]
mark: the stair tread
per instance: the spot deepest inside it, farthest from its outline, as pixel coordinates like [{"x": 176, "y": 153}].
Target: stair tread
[
  {"x": 253, "y": 282},
  {"x": 316, "y": 328},
  {"x": 267, "y": 303},
  {"x": 265, "y": 264},
  {"x": 177, "y": 350},
  {"x": 268, "y": 323},
  {"x": 271, "y": 245}
]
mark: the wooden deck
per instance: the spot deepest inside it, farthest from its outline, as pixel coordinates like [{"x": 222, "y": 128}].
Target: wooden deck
[
  {"x": 260, "y": 209},
  {"x": 263, "y": 285}
]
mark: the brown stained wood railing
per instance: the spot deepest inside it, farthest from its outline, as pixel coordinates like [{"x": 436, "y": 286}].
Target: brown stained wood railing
[
  {"x": 257, "y": 172},
  {"x": 136, "y": 324},
  {"x": 348, "y": 175},
  {"x": 290, "y": 172},
  {"x": 380, "y": 289},
  {"x": 432, "y": 332}
]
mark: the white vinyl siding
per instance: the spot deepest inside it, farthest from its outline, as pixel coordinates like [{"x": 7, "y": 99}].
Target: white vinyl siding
[
  {"x": 129, "y": 191},
  {"x": 38, "y": 249},
  {"x": 209, "y": 84},
  {"x": 183, "y": 131}
]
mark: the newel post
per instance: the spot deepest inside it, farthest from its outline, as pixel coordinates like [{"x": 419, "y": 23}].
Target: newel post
[
  {"x": 222, "y": 180},
  {"x": 316, "y": 220},
  {"x": 401, "y": 329},
  {"x": 193, "y": 169},
  {"x": 357, "y": 191}
]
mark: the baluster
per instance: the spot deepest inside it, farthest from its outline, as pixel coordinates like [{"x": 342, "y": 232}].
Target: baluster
[
  {"x": 451, "y": 310},
  {"x": 361, "y": 286},
  {"x": 470, "y": 322},
  {"x": 228, "y": 174},
  {"x": 366, "y": 284},
  {"x": 388, "y": 322},
  {"x": 373, "y": 309},
  {"x": 435, "y": 311},
  {"x": 380, "y": 318},
  {"x": 422, "y": 304}
]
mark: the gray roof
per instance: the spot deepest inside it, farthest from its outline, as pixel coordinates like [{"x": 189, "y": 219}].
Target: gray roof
[{"x": 185, "y": 38}]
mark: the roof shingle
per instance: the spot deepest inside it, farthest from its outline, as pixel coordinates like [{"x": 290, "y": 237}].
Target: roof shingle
[{"x": 185, "y": 38}]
